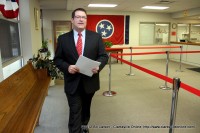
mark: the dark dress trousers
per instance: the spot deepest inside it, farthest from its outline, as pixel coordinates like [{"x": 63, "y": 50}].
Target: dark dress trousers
[{"x": 79, "y": 88}]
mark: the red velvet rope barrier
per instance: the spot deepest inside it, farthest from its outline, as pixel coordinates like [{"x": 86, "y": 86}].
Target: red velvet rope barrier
[
  {"x": 142, "y": 47},
  {"x": 184, "y": 86},
  {"x": 145, "y": 53},
  {"x": 178, "y": 52},
  {"x": 153, "y": 47}
]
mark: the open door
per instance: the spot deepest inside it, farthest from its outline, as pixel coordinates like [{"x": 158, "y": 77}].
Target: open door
[{"x": 59, "y": 28}]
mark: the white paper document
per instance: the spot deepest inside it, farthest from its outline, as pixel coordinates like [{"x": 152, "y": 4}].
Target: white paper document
[{"x": 86, "y": 65}]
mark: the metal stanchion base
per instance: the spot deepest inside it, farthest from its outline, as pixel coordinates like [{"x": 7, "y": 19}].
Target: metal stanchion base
[
  {"x": 164, "y": 87},
  {"x": 130, "y": 74},
  {"x": 109, "y": 93}
]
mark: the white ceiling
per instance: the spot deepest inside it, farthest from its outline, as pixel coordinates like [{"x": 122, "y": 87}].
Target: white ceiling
[{"x": 123, "y": 5}]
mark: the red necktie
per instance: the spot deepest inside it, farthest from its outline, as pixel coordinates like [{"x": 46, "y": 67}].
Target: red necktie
[{"x": 79, "y": 44}]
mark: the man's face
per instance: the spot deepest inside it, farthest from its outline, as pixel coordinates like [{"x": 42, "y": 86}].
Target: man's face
[{"x": 79, "y": 21}]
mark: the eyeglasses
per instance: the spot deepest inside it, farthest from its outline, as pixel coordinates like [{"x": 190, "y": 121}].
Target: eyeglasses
[{"x": 79, "y": 17}]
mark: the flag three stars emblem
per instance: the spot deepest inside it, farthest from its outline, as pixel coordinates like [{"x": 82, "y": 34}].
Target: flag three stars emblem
[{"x": 105, "y": 28}]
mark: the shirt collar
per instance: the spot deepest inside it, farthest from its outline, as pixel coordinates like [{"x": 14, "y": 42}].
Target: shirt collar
[{"x": 76, "y": 33}]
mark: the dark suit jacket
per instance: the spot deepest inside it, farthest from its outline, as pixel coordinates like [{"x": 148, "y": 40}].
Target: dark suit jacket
[{"x": 66, "y": 55}]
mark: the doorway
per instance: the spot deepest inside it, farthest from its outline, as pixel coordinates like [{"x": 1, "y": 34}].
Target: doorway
[{"x": 59, "y": 28}]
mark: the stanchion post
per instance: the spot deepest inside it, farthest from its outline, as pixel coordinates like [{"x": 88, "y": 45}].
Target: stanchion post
[
  {"x": 165, "y": 87},
  {"x": 176, "y": 86},
  {"x": 180, "y": 62},
  {"x": 109, "y": 92},
  {"x": 130, "y": 72}
]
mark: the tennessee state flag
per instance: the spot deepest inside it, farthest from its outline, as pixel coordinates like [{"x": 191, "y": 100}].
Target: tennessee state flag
[
  {"x": 9, "y": 8},
  {"x": 111, "y": 27}
]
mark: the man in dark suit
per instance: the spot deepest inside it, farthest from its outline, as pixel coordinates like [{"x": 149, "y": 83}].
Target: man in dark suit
[{"x": 79, "y": 88}]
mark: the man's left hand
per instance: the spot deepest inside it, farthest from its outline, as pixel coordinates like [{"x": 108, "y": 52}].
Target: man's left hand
[{"x": 95, "y": 70}]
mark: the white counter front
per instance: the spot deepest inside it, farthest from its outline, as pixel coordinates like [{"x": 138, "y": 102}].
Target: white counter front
[{"x": 188, "y": 58}]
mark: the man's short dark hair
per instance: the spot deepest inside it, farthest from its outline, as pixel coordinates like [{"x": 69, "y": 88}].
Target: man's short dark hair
[{"x": 78, "y": 9}]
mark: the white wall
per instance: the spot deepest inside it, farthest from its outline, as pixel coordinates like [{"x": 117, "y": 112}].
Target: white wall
[
  {"x": 30, "y": 37},
  {"x": 12, "y": 68}
]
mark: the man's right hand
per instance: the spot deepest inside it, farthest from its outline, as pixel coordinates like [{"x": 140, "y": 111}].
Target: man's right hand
[{"x": 72, "y": 69}]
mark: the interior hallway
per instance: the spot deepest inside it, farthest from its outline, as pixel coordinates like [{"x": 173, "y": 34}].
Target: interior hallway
[{"x": 139, "y": 105}]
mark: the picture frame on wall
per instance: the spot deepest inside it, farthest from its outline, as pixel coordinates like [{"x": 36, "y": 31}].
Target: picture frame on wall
[{"x": 36, "y": 17}]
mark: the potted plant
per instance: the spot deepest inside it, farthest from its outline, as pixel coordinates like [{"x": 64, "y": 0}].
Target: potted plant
[
  {"x": 43, "y": 51},
  {"x": 108, "y": 44},
  {"x": 42, "y": 61}
]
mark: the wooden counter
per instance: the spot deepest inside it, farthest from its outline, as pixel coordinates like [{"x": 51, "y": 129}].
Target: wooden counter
[{"x": 187, "y": 43}]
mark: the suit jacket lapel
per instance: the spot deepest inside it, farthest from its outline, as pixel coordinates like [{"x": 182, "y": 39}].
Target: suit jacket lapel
[
  {"x": 72, "y": 44},
  {"x": 87, "y": 42}
]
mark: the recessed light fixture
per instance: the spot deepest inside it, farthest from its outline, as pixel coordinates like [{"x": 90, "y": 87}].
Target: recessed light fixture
[
  {"x": 162, "y": 24},
  {"x": 155, "y": 7},
  {"x": 197, "y": 25},
  {"x": 102, "y": 5}
]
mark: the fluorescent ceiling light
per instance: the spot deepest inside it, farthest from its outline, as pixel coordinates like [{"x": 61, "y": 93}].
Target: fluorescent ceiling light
[
  {"x": 155, "y": 7},
  {"x": 162, "y": 24},
  {"x": 102, "y": 5}
]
